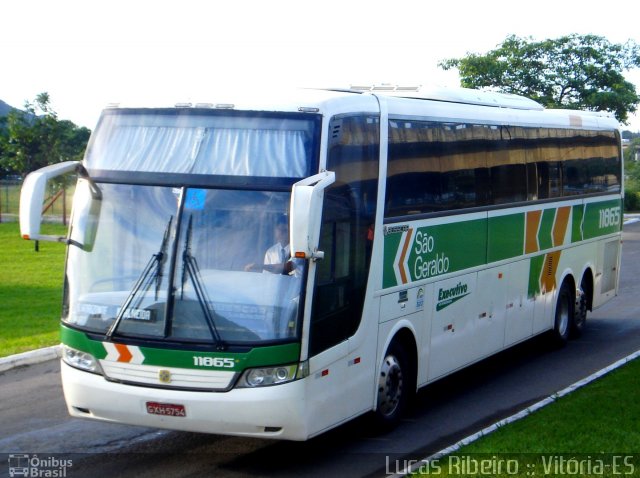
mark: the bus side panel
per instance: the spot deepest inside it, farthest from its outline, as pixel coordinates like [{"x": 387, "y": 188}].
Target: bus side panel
[
  {"x": 519, "y": 306},
  {"x": 362, "y": 361},
  {"x": 326, "y": 389},
  {"x": 339, "y": 386},
  {"x": 424, "y": 347},
  {"x": 490, "y": 316},
  {"x": 453, "y": 341},
  {"x": 607, "y": 277}
]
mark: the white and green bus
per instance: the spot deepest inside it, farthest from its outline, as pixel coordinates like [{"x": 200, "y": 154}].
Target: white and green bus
[{"x": 427, "y": 230}]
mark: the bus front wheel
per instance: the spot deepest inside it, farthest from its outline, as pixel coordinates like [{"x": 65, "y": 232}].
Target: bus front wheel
[{"x": 393, "y": 387}]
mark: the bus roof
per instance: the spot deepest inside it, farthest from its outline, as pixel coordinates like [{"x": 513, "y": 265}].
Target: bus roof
[
  {"x": 455, "y": 95},
  {"x": 286, "y": 100},
  {"x": 432, "y": 102}
]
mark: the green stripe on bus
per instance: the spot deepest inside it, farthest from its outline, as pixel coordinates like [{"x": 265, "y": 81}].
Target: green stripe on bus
[
  {"x": 546, "y": 228},
  {"x": 506, "y": 237},
  {"x": 535, "y": 270},
  {"x": 601, "y": 218},
  {"x": 391, "y": 245},
  {"x": 433, "y": 250},
  {"x": 256, "y": 357},
  {"x": 444, "y": 248},
  {"x": 80, "y": 341},
  {"x": 456, "y": 246},
  {"x": 576, "y": 228}
]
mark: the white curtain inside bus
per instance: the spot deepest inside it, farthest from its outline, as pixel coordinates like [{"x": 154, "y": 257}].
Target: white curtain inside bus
[{"x": 193, "y": 144}]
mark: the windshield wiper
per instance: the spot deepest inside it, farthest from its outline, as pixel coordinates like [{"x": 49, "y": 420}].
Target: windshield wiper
[
  {"x": 146, "y": 279},
  {"x": 190, "y": 268}
]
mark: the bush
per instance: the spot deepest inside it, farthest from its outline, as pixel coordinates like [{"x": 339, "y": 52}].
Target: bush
[{"x": 631, "y": 200}]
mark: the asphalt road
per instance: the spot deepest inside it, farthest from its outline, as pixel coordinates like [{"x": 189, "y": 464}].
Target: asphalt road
[{"x": 33, "y": 418}]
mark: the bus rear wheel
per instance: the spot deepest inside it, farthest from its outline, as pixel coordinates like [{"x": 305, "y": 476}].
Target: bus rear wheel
[
  {"x": 581, "y": 307},
  {"x": 564, "y": 316},
  {"x": 394, "y": 387}
]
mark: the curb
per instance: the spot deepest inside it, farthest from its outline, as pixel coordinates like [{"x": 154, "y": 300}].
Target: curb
[
  {"x": 30, "y": 358},
  {"x": 631, "y": 218},
  {"x": 513, "y": 418}
]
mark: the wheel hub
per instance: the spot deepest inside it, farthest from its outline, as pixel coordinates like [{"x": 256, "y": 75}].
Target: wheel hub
[{"x": 390, "y": 386}]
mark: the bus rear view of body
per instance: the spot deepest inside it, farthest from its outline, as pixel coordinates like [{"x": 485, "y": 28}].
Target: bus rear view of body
[{"x": 276, "y": 268}]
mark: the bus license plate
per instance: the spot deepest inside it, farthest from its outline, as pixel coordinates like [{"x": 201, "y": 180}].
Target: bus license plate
[{"x": 166, "y": 409}]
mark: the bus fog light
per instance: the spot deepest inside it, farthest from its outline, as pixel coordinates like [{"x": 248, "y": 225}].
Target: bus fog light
[
  {"x": 261, "y": 377},
  {"x": 81, "y": 360}
]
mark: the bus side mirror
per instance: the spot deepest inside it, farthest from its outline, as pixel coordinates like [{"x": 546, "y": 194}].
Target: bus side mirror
[
  {"x": 306, "y": 213},
  {"x": 32, "y": 196}
]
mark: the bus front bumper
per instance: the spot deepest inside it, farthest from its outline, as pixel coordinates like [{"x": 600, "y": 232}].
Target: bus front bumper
[{"x": 268, "y": 412}]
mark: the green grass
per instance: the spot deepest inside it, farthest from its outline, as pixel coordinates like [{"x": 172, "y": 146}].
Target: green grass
[
  {"x": 9, "y": 198},
  {"x": 597, "y": 422},
  {"x": 30, "y": 290}
]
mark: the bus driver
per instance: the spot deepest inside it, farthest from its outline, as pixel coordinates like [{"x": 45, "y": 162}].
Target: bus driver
[{"x": 277, "y": 259}]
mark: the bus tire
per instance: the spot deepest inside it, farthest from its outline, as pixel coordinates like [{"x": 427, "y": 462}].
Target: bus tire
[
  {"x": 564, "y": 315},
  {"x": 394, "y": 387},
  {"x": 582, "y": 305}
]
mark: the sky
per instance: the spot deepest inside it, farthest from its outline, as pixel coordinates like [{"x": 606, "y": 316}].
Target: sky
[{"x": 87, "y": 54}]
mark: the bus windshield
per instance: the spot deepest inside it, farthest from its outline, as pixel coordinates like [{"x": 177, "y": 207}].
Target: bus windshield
[{"x": 183, "y": 265}]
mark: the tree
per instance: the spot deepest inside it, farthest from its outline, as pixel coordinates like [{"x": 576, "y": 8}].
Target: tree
[
  {"x": 35, "y": 138},
  {"x": 630, "y": 154},
  {"x": 573, "y": 71},
  {"x": 4, "y": 137}
]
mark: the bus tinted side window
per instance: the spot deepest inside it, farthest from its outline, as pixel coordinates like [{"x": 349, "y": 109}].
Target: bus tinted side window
[
  {"x": 435, "y": 166},
  {"x": 592, "y": 164}
]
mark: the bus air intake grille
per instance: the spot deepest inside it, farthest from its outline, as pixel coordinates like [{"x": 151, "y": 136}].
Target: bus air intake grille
[{"x": 168, "y": 377}]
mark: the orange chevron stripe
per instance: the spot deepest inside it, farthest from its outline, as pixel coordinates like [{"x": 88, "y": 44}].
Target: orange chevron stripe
[
  {"x": 560, "y": 226},
  {"x": 549, "y": 271},
  {"x": 125, "y": 354},
  {"x": 531, "y": 234},
  {"x": 405, "y": 247}
]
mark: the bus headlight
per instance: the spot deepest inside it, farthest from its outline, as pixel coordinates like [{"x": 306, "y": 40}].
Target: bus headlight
[
  {"x": 262, "y": 377},
  {"x": 82, "y": 360}
]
